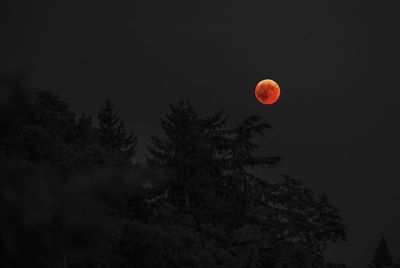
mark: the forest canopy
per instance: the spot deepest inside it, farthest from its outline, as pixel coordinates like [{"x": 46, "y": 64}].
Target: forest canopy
[{"x": 71, "y": 196}]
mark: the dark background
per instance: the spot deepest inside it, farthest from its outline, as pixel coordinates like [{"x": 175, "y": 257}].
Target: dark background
[{"x": 337, "y": 122}]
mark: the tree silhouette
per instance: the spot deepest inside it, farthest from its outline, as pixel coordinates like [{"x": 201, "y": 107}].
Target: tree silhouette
[
  {"x": 196, "y": 147},
  {"x": 113, "y": 135},
  {"x": 189, "y": 149},
  {"x": 295, "y": 219},
  {"x": 47, "y": 134},
  {"x": 47, "y": 131},
  {"x": 382, "y": 257}
]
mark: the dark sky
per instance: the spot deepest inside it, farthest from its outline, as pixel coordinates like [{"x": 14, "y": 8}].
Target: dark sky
[{"x": 338, "y": 64}]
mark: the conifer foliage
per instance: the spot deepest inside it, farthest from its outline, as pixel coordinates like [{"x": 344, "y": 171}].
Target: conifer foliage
[
  {"x": 195, "y": 147},
  {"x": 382, "y": 257},
  {"x": 113, "y": 134}
]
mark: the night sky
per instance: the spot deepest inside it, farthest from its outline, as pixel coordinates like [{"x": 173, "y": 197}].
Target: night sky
[{"x": 336, "y": 124}]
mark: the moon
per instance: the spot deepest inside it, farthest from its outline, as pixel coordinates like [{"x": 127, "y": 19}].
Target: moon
[{"x": 267, "y": 91}]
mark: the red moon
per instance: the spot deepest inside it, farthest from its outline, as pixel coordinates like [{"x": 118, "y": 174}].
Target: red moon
[{"x": 267, "y": 91}]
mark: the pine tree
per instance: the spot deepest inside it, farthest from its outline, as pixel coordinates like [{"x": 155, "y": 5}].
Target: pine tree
[
  {"x": 188, "y": 148},
  {"x": 197, "y": 147},
  {"x": 112, "y": 133},
  {"x": 382, "y": 257}
]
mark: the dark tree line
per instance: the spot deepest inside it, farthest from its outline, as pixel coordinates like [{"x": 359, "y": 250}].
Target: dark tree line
[{"x": 71, "y": 195}]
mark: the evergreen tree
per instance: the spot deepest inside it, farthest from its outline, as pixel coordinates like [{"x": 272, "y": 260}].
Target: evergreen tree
[
  {"x": 197, "y": 147},
  {"x": 188, "y": 149},
  {"x": 295, "y": 219},
  {"x": 241, "y": 146},
  {"x": 382, "y": 257},
  {"x": 112, "y": 133}
]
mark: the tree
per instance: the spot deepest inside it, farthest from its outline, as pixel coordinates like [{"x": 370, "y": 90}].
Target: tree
[
  {"x": 188, "y": 148},
  {"x": 112, "y": 133},
  {"x": 293, "y": 217},
  {"x": 382, "y": 257},
  {"x": 47, "y": 131},
  {"x": 46, "y": 136},
  {"x": 197, "y": 147}
]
